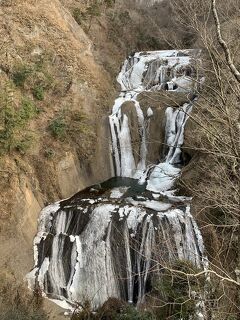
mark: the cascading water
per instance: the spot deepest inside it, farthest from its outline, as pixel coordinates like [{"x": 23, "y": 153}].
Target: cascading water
[{"x": 104, "y": 241}]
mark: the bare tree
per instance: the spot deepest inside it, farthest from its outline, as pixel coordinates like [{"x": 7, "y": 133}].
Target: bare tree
[
  {"x": 223, "y": 44},
  {"x": 212, "y": 139}
]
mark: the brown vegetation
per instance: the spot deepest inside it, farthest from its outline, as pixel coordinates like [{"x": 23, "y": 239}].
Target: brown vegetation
[{"x": 17, "y": 302}]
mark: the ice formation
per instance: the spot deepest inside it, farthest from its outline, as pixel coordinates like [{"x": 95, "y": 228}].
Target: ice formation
[{"x": 103, "y": 241}]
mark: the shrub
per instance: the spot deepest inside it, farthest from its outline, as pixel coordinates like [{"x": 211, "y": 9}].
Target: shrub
[
  {"x": 33, "y": 77},
  {"x": 93, "y": 10},
  {"x": 49, "y": 153},
  {"x": 14, "y": 120},
  {"x": 78, "y": 15},
  {"x": 27, "y": 111},
  {"x": 74, "y": 127},
  {"x": 20, "y": 75},
  {"x": 58, "y": 127},
  {"x": 24, "y": 144},
  {"x": 38, "y": 92}
]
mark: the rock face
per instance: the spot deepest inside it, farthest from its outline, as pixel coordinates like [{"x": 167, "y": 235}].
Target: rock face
[
  {"x": 103, "y": 242},
  {"x": 45, "y": 33}
]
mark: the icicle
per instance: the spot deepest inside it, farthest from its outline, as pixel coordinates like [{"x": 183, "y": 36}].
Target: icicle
[{"x": 101, "y": 243}]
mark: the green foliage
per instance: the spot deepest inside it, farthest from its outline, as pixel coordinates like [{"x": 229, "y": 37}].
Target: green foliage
[
  {"x": 77, "y": 124},
  {"x": 24, "y": 144},
  {"x": 58, "y": 127},
  {"x": 69, "y": 124},
  {"x": 93, "y": 10},
  {"x": 27, "y": 111},
  {"x": 38, "y": 92},
  {"x": 20, "y": 75},
  {"x": 14, "y": 120},
  {"x": 73, "y": 127},
  {"x": 33, "y": 77},
  {"x": 78, "y": 15}
]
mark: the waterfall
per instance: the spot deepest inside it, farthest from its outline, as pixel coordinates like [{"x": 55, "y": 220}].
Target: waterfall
[
  {"x": 104, "y": 241},
  {"x": 148, "y": 72}
]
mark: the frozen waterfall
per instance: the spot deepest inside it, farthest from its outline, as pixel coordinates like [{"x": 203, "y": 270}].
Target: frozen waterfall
[{"x": 104, "y": 241}]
